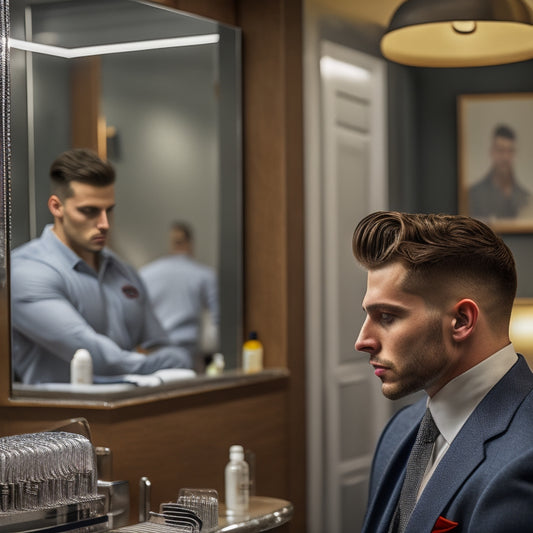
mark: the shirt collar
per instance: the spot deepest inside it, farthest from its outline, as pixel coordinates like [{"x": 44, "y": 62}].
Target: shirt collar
[
  {"x": 456, "y": 401},
  {"x": 68, "y": 256}
]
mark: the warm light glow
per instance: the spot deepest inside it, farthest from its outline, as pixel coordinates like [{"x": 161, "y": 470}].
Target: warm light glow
[
  {"x": 70, "y": 53},
  {"x": 334, "y": 68},
  {"x": 521, "y": 328}
]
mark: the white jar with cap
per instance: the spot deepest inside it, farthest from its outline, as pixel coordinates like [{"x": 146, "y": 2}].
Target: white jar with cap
[
  {"x": 81, "y": 368},
  {"x": 237, "y": 478}
]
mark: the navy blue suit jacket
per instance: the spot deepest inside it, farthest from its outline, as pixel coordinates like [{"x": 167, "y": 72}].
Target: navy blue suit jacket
[{"x": 484, "y": 482}]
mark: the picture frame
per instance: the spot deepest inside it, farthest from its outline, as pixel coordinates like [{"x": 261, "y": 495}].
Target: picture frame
[{"x": 495, "y": 156}]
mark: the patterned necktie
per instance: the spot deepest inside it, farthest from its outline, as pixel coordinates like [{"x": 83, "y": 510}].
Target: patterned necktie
[{"x": 416, "y": 468}]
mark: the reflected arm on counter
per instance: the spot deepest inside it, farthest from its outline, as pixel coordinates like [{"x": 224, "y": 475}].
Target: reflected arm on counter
[{"x": 59, "y": 304}]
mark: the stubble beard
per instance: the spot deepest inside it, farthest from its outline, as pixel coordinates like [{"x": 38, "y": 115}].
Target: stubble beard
[{"x": 424, "y": 369}]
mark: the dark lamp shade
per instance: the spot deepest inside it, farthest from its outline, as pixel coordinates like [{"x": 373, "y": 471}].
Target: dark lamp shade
[{"x": 459, "y": 33}]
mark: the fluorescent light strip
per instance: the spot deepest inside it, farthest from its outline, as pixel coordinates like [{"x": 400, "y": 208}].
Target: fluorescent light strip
[
  {"x": 85, "y": 51},
  {"x": 331, "y": 67}
]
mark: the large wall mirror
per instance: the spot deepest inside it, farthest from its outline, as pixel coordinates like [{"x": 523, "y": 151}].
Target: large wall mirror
[{"x": 165, "y": 110}]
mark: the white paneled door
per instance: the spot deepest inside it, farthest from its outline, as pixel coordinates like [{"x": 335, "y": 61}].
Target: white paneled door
[{"x": 345, "y": 405}]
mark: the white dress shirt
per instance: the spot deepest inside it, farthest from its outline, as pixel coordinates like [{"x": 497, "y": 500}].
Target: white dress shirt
[
  {"x": 455, "y": 402},
  {"x": 180, "y": 289}
]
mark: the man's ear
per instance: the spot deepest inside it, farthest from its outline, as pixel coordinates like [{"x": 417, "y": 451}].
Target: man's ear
[
  {"x": 465, "y": 316},
  {"x": 55, "y": 205}
]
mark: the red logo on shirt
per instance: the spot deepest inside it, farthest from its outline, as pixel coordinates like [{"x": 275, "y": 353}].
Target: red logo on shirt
[{"x": 130, "y": 291}]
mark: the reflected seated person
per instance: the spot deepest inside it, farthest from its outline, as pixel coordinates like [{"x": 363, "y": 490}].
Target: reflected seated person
[
  {"x": 69, "y": 291},
  {"x": 184, "y": 294}
]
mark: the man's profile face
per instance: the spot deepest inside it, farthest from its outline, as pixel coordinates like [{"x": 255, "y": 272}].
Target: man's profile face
[
  {"x": 403, "y": 336},
  {"x": 83, "y": 219},
  {"x": 502, "y": 154}
]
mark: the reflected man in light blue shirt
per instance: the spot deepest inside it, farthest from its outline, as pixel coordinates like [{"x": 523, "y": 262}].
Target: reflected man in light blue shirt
[
  {"x": 184, "y": 294},
  {"x": 69, "y": 291}
]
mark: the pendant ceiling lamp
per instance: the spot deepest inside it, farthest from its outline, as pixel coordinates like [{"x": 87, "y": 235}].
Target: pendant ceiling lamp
[{"x": 459, "y": 33}]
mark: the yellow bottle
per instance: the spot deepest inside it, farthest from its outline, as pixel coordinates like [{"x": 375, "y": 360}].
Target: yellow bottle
[{"x": 252, "y": 354}]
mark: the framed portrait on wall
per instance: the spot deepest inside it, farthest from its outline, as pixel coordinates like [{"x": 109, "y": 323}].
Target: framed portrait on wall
[{"x": 495, "y": 153}]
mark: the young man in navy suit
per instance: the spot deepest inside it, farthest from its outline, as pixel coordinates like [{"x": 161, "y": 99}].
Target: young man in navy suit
[{"x": 440, "y": 291}]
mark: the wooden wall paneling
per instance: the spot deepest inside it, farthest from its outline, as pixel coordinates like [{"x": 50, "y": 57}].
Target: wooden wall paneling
[
  {"x": 264, "y": 174},
  {"x": 86, "y": 82},
  {"x": 189, "y": 447},
  {"x": 293, "y": 90},
  {"x": 273, "y": 207},
  {"x": 182, "y": 442}
]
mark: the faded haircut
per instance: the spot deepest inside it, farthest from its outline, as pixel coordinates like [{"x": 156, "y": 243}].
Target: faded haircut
[
  {"x": 440, "y": 248},
  {"x": 81, "y": 165}
]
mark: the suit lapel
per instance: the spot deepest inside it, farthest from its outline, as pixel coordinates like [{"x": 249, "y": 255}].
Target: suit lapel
[
  {"x": 386, "y": 494},
  {"x": 383, "y": 504},
  {"x": 491, "y": 418}
]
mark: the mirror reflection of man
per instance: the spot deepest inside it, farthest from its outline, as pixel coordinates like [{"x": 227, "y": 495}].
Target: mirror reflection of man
[
  {"x": 184, "y": 294},
  {"x": 69, "y": 291},
  {"x": 498, "y": 194}
]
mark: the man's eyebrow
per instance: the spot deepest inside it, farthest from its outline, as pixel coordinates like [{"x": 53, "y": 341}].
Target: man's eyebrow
[
  {"x": 91, "y": 206},
  {"x": 398, "y": 309}
]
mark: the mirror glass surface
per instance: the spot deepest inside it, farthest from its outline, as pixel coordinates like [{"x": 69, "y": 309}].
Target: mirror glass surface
[{"x": 168, "y": 118}]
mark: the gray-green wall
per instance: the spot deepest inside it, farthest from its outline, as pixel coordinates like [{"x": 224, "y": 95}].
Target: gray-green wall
[{"x": 423, "y": 155}]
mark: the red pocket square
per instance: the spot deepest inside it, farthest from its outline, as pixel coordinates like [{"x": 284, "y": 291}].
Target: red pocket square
[{"x": 443, "y": 524}]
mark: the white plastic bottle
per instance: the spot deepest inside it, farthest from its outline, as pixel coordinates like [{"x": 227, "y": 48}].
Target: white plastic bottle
[
  {"x": 81, "y": 368},
  {"x": 216, "y": 366},
  {"x": 237, "y": 477}
]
